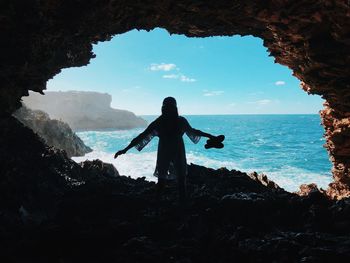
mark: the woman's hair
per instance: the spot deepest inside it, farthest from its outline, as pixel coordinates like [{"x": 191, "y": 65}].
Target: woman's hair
[{"x": 169, "y": 108}]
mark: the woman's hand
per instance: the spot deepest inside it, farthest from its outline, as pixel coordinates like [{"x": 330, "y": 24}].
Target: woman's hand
[
  {"x": 119, "y": 153},
  {"x": 211, "y": 137}
]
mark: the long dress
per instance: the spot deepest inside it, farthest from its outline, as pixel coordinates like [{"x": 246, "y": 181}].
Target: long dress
[{"x": 171, "y": 156}]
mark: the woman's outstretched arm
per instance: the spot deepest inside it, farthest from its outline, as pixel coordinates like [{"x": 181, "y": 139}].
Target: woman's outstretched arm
[
  {"x": 202, "y": 134},
  {"x": 127, "y": 148},
  {"x": 136, "y": 141},
  {"x": 195, "y": 134}
]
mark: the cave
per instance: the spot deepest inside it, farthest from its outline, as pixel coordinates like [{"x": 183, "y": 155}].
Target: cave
[{"x": 311, "y": 37}]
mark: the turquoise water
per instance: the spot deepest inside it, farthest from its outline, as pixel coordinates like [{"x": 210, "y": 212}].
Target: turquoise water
[{"x": 288, "y": 148}]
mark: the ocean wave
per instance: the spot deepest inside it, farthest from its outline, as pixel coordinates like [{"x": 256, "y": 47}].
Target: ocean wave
[
  {"x": 138, "y": 165},
  {"x": 290, "y": 178},
  {"x": 134, "y": 165}
]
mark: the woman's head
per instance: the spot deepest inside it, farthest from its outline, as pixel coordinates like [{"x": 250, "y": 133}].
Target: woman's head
[{"x": 169, "y": 108}]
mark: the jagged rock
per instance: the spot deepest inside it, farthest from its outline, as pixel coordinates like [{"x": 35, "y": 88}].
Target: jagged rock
[
  {"x": 84, "y": 110},
  {"x": 96, "y": 169},
  {"x": 35, "y": 176},
  {"x": 262, "y": 178},
  {"x": 54, "y": 132},
  {"x": 338, "y": 190},
  {"x": 306, "y": 189},
  {"x": 242, "y": 197},
  {"x": 32, "y": 175},
  {"x": 49, "y": 201}
]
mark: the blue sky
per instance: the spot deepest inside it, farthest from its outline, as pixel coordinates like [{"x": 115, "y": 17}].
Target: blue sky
[{"x": 215, "y": 75}]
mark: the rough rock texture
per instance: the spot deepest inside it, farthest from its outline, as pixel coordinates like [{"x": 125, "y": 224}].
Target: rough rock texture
[
  {"x": 307, "y": 189},
  {"x": 55, "y": 210},
  {"x": 97, "y": 169},
  {"x": 262, "y": 178},
  {"x": 337, "y": 125},
  {"x": 34, "y": 175},
  {"x": 54, "y": 132},
  {"x": 309, "y": 36},
  {"x": 84, "y": 110}
]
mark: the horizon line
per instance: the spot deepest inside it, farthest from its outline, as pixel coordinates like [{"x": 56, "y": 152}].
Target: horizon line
[{"x": 226, "y": 114}]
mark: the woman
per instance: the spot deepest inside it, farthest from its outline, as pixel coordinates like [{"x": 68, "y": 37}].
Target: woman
[{"x": 171, "y": 157}]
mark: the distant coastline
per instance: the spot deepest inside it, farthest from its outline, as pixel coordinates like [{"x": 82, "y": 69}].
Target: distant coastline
[
  {"x": 84, "y": 110},
  {"x": 236, "y": 114},
  {"x": 147, "y": 116}
]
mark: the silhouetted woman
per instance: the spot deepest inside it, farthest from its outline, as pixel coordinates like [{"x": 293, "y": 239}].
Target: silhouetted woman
[{"x": 171, "y": 157}]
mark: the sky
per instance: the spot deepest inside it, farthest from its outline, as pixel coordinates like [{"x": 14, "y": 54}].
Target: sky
[{"x": 214, "y": 75}]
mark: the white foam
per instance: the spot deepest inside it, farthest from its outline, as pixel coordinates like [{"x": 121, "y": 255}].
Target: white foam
[
  {"x": 131, "y": 164},
  {"x": 290, "y": 178},
  {"x": 143, "y": 164}
]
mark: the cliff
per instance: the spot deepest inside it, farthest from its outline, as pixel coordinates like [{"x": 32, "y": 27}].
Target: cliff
[
  {"x": 54, "y": 132},
  {"x": 84, "y": 110}
]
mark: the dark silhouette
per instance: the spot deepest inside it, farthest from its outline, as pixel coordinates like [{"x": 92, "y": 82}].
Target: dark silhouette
[
  {"x": 171, "y": 157},
  {"x": 215, "y": 142}
]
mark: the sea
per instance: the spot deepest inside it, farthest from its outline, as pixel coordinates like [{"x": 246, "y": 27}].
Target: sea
[{"x": 287, "y": 148}]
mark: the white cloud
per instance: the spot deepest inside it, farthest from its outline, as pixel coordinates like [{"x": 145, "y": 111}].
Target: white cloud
[
  {"x": 280, "y": 83},
  {"x": 171, "y": 76},
  {"x": 184, "y": 78},
  {"x": 162, "y": 67},
  {"x": 261, "y": 102},
  {"x": 131, "y": 89},
  {"x": 170, "y": 67},
  {"x": 254, "y": 94},
  {"x": 213, "y": 93}
]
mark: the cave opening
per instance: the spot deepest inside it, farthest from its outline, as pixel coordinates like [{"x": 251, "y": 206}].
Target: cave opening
[
  {"x": 229, "y": 79},
  {"x": 54, "y": 208},
  {"x": 313, "y": 44}
]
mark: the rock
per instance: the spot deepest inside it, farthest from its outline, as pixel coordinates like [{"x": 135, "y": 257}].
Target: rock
[
  {"x": 33, "y": 175},
  {"x": 338, "y": 190},
  {"x": 49, "y": 201},
  {"x": 262, "y": 178},
  {"x": 84, "y": 110},
  {"x": 96, "y": 169},
  {"x": 242, "y": 198},
  {"x": 54, "y": 132},
  {"x": 306, "y": 189}
]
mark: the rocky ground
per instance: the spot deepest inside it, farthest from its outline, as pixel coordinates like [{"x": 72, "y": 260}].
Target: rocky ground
[
  {"x": 54, "y": 132},
  {"x": 54, "y": 210}
]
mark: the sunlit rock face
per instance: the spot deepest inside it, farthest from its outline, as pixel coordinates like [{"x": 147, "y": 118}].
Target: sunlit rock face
[
  {"x": 310, "y": 37},
  {"x": 54, "y": 132},
  {"x": 84, "y": 110},
  {"x": 338, "y": 144}
]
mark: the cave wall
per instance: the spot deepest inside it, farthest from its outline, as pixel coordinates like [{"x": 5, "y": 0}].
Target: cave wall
[{"x": 311, "y": 37}]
